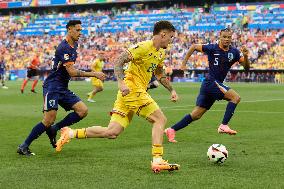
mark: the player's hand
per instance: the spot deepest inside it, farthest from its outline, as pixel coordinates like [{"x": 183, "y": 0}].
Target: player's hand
[
  {"x": 123, "y": 88},
  {"x": 244, "y": 50},
  {"x": 100, "y": 75},
  {"x": 174, "y": 96}
]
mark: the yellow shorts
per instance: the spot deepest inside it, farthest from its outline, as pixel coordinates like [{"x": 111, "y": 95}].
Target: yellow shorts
[
  {"x": 140, "y": 103},
  {"x": 96, "y": 82}
]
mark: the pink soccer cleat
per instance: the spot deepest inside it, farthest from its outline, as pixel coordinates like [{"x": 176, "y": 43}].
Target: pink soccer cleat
[
  {"x": 171, "y": 133},
  {"x": 226, "y": 129}
]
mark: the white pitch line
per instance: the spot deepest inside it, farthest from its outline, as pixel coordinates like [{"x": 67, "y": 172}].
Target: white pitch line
[{"x": 248, "y": 101}]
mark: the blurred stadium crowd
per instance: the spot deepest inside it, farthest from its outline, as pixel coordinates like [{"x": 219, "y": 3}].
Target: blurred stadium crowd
[{"x": 266, "y": 46}]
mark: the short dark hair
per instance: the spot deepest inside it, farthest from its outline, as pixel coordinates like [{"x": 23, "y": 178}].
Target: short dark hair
[
  {"x": 226, "y": 30},
  {"x": 163, "y": 25},
  {"x": 73, "y": 23}
]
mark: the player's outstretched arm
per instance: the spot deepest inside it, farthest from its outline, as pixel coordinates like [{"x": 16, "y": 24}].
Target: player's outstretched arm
[
  {"x": 73, "y": 72},
  {"x": 161, "y": 76},
  {"x": 124, "y": 58},
  {"x": 244, "y": 61},
  {"x": 194, "y": 47}
]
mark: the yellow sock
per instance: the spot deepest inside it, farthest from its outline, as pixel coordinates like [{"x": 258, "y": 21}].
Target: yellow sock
[
  {"x": 157, "y": 152},
  {"x": 80, "y": 133},
  {"x": 90, "y": 95}
]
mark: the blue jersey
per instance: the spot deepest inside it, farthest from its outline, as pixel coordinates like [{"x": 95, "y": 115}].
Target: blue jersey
[
  {"x": 58, "y": 78},
  {"x": 220, "y": 61},
  {"x": 2, "y": 66}
]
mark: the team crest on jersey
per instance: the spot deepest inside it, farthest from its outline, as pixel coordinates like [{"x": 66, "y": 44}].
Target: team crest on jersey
[
  {"x": 66, "y": 56},
  {"x": 230, "y": 56},
  {"x": 51, "y": 103}
]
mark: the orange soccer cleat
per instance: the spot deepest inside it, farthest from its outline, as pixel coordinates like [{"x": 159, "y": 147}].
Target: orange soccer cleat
[
  {"x": 64, "y": 138},
  {"x": 226, "y": 129}
]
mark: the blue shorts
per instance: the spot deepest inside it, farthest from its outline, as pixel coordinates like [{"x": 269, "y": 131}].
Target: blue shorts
[
  {"x": 153, "y": 78},
  {"x": 66, "y": 99},
  {"x": 210, "y": 91}
]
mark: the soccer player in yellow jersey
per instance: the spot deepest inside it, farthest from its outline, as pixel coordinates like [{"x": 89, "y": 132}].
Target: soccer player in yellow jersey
[
  {"x": 97, "y": 66},
  {"x": 145, "y": 58}
]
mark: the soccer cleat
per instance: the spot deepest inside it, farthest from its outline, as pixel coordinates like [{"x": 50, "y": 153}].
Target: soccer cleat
[
  {"x": 171, "y": 133},
  {"x": 164, "y": 165},
  {"x": 25, "y": 151},
  {"x": 33, "y": 91},
  {"x": 226, "y": 129},
  {"x": 22, "y": 91},
  {"x": 91, "y": 100},
  {"x": 51, "y": 133},
  {"x": 64, "y": 139},
  {"x": 4, "y": 87}
]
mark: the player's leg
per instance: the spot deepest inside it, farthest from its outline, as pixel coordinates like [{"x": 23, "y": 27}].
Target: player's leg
[
  {"x": 24, "y": 83},
  {"x": 196, "y": 114},
  {"x": 116, "y": 126},
  {"x": 158, "y": 120},
  {"x": 48, "y": 119},
  {"x": 98, "y": 87},
  {"x": 35, "y": 78},
  {"x": 120, "y": 118},
  {"x": 2, "y": 78},
  {"x": 80, "y": 111},
  {"x": 203, "y": 103},
  {"x": 233, "y": 98},
  {"x": 69, "y": 101},
  {"x": 93, "y": 93}
]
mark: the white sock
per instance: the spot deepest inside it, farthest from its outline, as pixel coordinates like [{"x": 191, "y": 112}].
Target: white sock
[
  {"x": 71, "y": 133},
  {"x": 158, "y": 159}
]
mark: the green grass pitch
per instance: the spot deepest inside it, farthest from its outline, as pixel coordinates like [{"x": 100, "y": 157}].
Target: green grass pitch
[{"x": 255, "y": 153}]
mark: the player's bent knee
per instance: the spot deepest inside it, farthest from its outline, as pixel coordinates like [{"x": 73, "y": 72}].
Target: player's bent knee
[
  {"x": 47, "y": 123},
  {"x": 236, "y": 99},
  {"x": 83, "y": 113}
]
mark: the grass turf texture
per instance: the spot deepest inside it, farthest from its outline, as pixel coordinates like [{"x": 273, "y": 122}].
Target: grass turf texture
[{"x": 255, "y": 153}]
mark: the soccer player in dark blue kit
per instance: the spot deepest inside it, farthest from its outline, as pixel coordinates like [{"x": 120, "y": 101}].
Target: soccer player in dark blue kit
[
  {"x": 221, "y": 56},
  {"x": 56, "y": 92},
  {"x": 2, "y": 71}
]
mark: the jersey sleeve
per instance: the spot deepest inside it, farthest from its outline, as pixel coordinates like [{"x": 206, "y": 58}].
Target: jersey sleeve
[
  {"x": 207, "y": 48},
  {"x": 137, "y": 51},
  {"x": 65, "y": 56}
]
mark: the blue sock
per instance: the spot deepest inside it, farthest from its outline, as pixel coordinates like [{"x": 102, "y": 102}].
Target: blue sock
[
  {"x": 229, "y": 112},
  {"x": 35, "y": 133},
  {"x": 182, "y": 123},
  {"x": 70, "y": 119}
]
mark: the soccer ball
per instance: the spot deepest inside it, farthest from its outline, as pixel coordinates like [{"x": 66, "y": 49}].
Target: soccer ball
[{"x": 217, "y": 153}]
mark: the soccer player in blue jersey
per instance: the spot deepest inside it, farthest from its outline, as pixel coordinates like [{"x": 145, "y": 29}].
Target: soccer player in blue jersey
[
  {"x": 221, "y": 56},
  {"x": 56, "y": 92},
  {"x": 2, "y": 72}
]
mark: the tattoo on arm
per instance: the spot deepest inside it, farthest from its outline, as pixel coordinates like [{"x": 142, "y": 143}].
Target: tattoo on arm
[
  {"x": 79, "y": 73},
  {"x": 166, "y": 83},
  {"x": 118, "y": 65}
]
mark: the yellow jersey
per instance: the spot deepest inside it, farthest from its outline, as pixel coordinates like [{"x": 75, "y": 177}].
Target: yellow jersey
[
  {"x": 97, "y": 65},
  {"x": 145, "y": 59}
]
